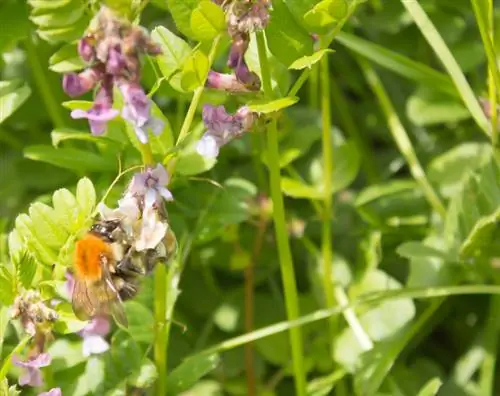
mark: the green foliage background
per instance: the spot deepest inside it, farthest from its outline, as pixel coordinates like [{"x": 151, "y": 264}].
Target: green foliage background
[{"x": 415, "y": 186}]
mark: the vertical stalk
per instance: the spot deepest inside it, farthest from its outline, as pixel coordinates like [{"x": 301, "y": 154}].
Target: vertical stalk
[
  {"x": 165, "y": 283},
  {"x": 284, "y": 252},
  {"x": 314, "y": 87},
  {"x": 401, "y": 137},
  {"x": 326, "y": 239},
  {"x": 53, "y": 107}
]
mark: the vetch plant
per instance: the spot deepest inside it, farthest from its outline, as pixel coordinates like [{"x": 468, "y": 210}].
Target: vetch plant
[{"x": 248, "y": 197}]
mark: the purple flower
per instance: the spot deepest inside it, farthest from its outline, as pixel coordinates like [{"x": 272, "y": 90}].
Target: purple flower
[
  {"x": 151, "y": 185},
  {"x": 225, "y": 82},
  {"x": 137, "y": 111},
  {"x": 93, "y": 336},
  {"x": 86, "y": 49},
  {"x": 102, "y": 111},
  {"x": 32, "y": 375},
  {"x": 77, "y": 84},
  {"x": 52, "y": 392},
  {"x": 116, "y": 63},
  {"x": 222, "y": 128}
]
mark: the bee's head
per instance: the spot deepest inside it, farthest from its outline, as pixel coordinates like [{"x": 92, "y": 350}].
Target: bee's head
[{"x": 105, "y": 229}]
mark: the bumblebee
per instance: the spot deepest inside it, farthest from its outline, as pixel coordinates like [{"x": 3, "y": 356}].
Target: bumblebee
[{"x": 108, "y": 270}]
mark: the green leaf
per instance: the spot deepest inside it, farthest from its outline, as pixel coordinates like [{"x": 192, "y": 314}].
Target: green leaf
[
  {"x": 85, "y": 196},
  {"x": 8, "y": 289},
  {"x": 63, "y": 17},
  {"x": 64, "y": 34},
  {"x": 141, "y": 322},
  {"x": 286, "y": 39},
  {"x": 28, "y": 234},
  {"x": 190, "y": 371},
  {"x": 15, "y": 24},
  {"x": 63, "y": 134},
  {"x": 195, "y": 71},
  {"x": 481, "y": 236},
  {"x": 431, "y": 388},
  {"x": 414, "y": 249},
  {"x": 70, "y": 158},
  {"x": 66, "y": 59},
  {"x": 191, "y": 163},
  {"x": 450, "y": 169},
  {"x": 78, "y": 104},
  {"x": 324, "y": 14},
  {"x": 181, "y": 11},
  {"x": 26, "y": 270},
  {"x": 145, "y": 376},
  {"x": 273, "y": 105},
  {"x": 5, "y": 315},
  {"x": 309, "y": 61},
  {"x": 175, "y": 52},
  {"x": 297, "y": 189},
  {"x": 397, "y": 63},
  {"x": 67, "y": 209},
  {"x": 45, "y": 225},
  {"x": 426, "y": 107},
  {"x": 11, "y": 98},
  {"x": 207, "y": 21},
  {"x": 16, "y": 246}
]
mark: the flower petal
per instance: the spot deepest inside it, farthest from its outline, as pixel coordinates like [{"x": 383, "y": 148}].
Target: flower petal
[
  {"x": 165, "y": 193},
  {"x": 52, "y": 392},
  {"x": 207, "y": 147},
  {"x": 94, "y": 345}
]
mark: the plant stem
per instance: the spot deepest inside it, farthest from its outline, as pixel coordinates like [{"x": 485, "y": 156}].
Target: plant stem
[
  {"x": 186, "y": 125},
  {"x": 485, "y": 25},
  {"x": 314, "y": 87},
  {"x": 401, "y": 137},
  {"x": 285, "y": 255},
  {"x": 53, "y": 107},
  {"x": 326, "y": 215},
  {"x": 146, "y": 154},
  {"x": 161, "y": 335},
  {"x": 490, "y": 346},
  {"x": 349, "y": 126},
  {"x": 249, "y": 306}
]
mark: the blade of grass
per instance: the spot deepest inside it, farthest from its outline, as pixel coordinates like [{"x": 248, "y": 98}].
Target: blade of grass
[
  {"x": 444, "y": 54},
  {"x": 326, "y": 213},
  {"x": 368, "y": 299},
  {"x": 399, "y": 64},
  {"x": 401, "y": 137},
  {"x": 490, "y": 346},
  {"x": 284, "y": 253}
]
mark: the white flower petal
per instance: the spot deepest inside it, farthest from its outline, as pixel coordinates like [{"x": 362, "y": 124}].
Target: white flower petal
[
  {"x": 94, "y": 345},
  {"x": 207, "y": 147},
  {"x": 165, "y": 193}
]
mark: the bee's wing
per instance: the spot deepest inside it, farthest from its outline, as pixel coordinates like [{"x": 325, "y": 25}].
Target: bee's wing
[
  {"x": 84, "y": 301},
  {"x": 115, "y": 304}
]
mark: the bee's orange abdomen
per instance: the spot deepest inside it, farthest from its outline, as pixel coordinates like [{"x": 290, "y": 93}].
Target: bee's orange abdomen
[{"x": 88, "y": 257}]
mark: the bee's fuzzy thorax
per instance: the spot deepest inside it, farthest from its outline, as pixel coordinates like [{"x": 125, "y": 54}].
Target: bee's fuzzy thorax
[{"x": 89, "y": 253}]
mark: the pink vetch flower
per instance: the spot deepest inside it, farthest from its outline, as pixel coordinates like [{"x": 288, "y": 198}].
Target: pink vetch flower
[
  {"x": 76, "y": 84},
  {"x": 52, "y": 392},
  {"x": 102, "y": 111},
  {"x": 137, "y": 110},
  {"x": 116, "y": 63},
  {"x": 150, "y": 185},
  {"x": 93, "y": 336},
  {"x": 86, "y": 49},
  {"x": 225, "y": 82},
  {"x": 222, "y": 128},
  {"x": 32, "y": 375}
]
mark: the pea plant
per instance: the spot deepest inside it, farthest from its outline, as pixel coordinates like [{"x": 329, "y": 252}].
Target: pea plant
[{"x": 249, "y": 197}]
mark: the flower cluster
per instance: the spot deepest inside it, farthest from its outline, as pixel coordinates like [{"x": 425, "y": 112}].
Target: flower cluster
[
  {"x": 33, "y": 312},
  {"x": 141, "y": 212},
  {"x": 222, "y": 128},
  {"x": 112, "y": 47},
  {"x": 243, "y": 17}
]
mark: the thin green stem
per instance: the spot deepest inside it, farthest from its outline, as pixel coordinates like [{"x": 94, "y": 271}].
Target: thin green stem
[
  {"x": 401, "y": 137},
  {"x": 494, "y": 78},
  {"x": 326, "y": 215},
  {"x": 284, "y": 252},
  {"x": 161, "y": 332},
  {"x": 146, "y": 154},
  {"x": 493, "y": 85},
  {"x": 314, "y": 87},
  {"x": 53, "y": 108},
  {"x": 490, "y": 347},
  {"x": 349, "y": 126},
  {"x": 186, "y": 125},
  {"x": 444, "y": 54}
]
